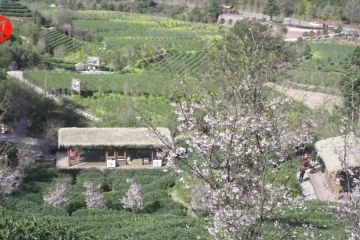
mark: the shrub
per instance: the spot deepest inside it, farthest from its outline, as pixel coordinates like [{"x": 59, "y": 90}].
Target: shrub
[
  {"x": 134, "y": 198},
  {"x": 58, "y": 197},
  {"x": 93, "y": 198},
  {"x": 37, "y": 229}
]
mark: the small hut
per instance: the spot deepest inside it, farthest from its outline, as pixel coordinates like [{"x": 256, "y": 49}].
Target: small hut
[
  {"x": 114, "y": 146},
  {"x": 331, "y": 152},
  {"x": 93, "y": 63},
  {"x": 80, "y": 67}
]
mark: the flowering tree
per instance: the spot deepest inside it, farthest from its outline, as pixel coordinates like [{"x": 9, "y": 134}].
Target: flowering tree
[
  {"x": 11, "y": 173},
  {"x": 133, "y": 198},
  {"x": 93, "y": 198},
  {"x": 58, "y": 197},
  {"x": 237, "y": 130},
  {"x": 349, "y": 209},
  {"x": 9, "y": 181}
]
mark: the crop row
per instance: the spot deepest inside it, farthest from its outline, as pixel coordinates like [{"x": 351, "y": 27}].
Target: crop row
[
  {"x": 126, "y": 30},
  {"x": 181, "y": 44},
  {"x": 8, "y": 8},
  {"x": 182, "y": 62}
]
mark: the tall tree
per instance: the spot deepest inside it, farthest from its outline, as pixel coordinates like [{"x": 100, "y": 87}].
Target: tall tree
[
  {"x": 350, "y": 84},
  {"x": 215, "y": 9},
  {"x": 351, "y": 11},
  {"x": 144, "y": 4},
  {"x": 271, "y": 8},
  {"x": 236, "y": 130}
]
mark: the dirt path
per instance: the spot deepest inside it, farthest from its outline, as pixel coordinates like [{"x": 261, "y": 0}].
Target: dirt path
[
  {"x": 313, "y": 100},
  {"x": 19, "y": 76}
]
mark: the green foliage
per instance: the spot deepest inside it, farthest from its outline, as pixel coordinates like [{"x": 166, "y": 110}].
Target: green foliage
[
  {"x": 142, "y": 4},
  {"x": 38, "y": 111},
  {"x": 244, "y": 33},
  {"x": 2, "y": 73},
  {"x": 215, "y": 9},
  {"x": 350, "y": 84},
  {"x": 25, "y": 56},
  {"x": 286, "y": 175},
  {"x": 37, "y": 228},
  {"x": 271, "y": 8}
]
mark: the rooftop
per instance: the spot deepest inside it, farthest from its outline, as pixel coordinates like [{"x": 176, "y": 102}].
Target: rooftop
[{"x": 116, "y": 137}]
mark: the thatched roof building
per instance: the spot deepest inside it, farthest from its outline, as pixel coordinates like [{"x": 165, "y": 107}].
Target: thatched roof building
[
  {"x": 113, "y": 137},
  {"x": 331, "y": 151}
]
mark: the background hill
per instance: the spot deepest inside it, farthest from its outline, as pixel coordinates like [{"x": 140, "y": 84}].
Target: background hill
[{"x": 208, "y": 10}]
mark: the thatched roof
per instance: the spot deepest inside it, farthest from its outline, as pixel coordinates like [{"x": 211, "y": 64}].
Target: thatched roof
[
  {"x": 331, "y": 151},
  {"x": 116, "y": 137}
]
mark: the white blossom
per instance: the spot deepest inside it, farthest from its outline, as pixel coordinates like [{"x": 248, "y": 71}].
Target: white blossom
[
  {"x": 58, "y": 197},
  {"x": 133, "y": 198},
  {"x": 93, "y": 198}
]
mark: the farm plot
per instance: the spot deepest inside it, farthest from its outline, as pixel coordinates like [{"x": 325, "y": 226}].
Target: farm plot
[
  {"x": 161, "y": 218},
  {"x": 324, "y": 68},
  {"x": 14, "y": 9},
  {"x": 126, "y": 30},
  {"x": 56, "y": 39}
]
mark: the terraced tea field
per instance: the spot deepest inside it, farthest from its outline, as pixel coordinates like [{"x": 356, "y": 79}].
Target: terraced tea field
[
  {"x": 127, "y": 29},
  {"x": 56, "y": 39},
  {"x": 190, "y": 63},
  {"x": 14, "y": 9}
]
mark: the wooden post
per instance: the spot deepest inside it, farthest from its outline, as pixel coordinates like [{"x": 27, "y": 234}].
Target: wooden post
[
  {"x": 69, "y": 162},
  {"x": 152, "y": 155},
  {"x": 78, "y": 150},
  {"x": 106, "y": 153},
  {"x": 126, "y": 161}
]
